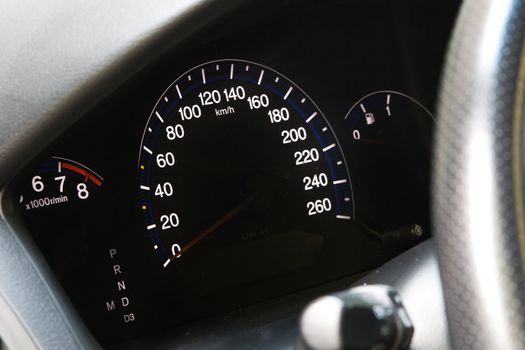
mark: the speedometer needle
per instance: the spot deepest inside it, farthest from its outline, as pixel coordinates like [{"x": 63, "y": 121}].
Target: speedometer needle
[{"x": 212, "y": 228}]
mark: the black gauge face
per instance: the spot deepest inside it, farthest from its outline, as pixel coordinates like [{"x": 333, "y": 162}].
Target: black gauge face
[
  {"x": 59, "y": 182},
  {"x": 391, "y": 136},
  {"x": 239, "y": 165},
  {"x": 50, "y": 199}
]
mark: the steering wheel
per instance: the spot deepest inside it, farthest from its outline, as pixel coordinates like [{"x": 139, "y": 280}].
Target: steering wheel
[{"x": 478, "y": 205}]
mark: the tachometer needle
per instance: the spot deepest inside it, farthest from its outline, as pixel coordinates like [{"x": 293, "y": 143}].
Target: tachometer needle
[{"x": 212, "y": 228}]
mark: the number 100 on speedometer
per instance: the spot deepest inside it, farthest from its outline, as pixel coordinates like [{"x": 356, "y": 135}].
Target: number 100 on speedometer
[{"x": 234, "y": 153}]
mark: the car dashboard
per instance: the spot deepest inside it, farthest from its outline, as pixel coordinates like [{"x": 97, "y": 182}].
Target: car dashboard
[{"x": 277, "y": 152}]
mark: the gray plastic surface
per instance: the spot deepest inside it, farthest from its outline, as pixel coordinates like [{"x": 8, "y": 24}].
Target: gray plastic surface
[
  {"x": 58, "y": 59},
  {"x": 478, "y": 194},
  {"x": 30, "y": 314},
  {"x": 61, "y": 57}
]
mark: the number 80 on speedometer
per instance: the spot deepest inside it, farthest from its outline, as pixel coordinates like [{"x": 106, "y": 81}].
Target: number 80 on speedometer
[{"x": 232, "y": 149}]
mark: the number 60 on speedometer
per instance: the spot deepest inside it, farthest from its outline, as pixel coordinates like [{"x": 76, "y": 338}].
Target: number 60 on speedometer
[{"x": 232, "y": 153}]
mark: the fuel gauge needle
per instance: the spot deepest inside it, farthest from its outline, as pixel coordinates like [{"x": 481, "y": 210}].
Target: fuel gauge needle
[
  {"x": 217, "y": 224},
  {"x": 373, "y": 141}
]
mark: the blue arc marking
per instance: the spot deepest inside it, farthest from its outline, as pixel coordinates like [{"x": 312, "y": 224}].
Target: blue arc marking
[{"x": 277, "y": 86}]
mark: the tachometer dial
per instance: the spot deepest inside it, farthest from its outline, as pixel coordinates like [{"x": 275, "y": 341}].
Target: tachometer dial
[
  {"x": 58, "y": 199},
  {"x": 391, "y": 136},
  {"x": 60, "y": 181},
  {"x": 239, "y": 165}
]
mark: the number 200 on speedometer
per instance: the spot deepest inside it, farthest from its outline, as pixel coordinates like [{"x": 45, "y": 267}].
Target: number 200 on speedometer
[{"x": 234, "y": 152}]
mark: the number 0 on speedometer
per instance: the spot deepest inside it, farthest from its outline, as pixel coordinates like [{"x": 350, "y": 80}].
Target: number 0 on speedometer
[{"x": 234, "y": 155}]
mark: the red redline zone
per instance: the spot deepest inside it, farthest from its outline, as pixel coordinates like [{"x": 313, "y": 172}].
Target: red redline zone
[{"x": 87, "y": 176}]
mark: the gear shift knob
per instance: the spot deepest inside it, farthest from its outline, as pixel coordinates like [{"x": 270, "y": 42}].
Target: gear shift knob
[{"x": 365, "y": 317}]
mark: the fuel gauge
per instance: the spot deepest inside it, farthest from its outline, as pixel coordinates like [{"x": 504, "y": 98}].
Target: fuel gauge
[{"x": 389, "y": 154}]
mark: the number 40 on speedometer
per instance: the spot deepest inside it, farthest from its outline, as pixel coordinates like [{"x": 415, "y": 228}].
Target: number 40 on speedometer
[{"x": 234, "y": 151}]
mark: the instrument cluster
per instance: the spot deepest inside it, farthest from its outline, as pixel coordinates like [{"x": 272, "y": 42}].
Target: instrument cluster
[{"x": 270, "y": 153}]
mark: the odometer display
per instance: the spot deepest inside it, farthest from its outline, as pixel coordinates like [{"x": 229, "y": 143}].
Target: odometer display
[{"x": 240, "y": 168}]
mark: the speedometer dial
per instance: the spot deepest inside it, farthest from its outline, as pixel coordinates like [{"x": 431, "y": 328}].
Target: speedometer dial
[{"x": 237, "y": 163}]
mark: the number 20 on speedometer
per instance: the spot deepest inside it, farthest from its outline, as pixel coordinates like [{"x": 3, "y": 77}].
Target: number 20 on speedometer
[{"x": 234, "y": 154}]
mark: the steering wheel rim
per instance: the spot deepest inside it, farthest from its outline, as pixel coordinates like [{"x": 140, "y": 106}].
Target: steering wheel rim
[{"x": 478, "y": 199}]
